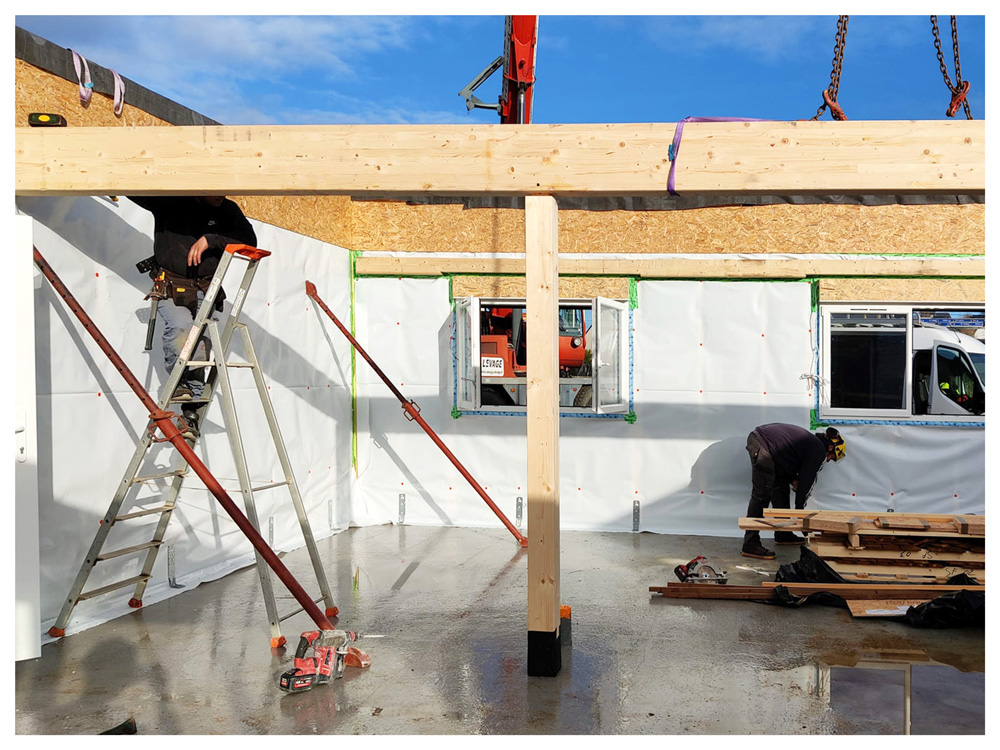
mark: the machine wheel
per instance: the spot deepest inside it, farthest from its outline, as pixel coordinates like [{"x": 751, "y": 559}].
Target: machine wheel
[
  {"x": 584, "y": 396},
  {"x": 496, "y": 395}
]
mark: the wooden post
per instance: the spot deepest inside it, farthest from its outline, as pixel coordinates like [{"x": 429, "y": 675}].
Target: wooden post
[{"x": 542, "y": 301}]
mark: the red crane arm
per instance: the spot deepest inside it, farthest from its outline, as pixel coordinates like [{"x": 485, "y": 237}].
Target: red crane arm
[{"x": 520, "y": 41}]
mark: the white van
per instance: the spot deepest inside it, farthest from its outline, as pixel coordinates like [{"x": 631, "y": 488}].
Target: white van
[{"x": 949, "y": 372}]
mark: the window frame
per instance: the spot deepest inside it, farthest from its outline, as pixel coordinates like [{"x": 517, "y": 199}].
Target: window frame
[
  {"x": 468, "y": 311},
  {"x": 828, "y": 414},
  {"x": 826, "y": 328}
]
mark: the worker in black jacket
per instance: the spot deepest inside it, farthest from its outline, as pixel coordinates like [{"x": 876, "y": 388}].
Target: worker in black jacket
[
  {"x": 783, "y": 455},
  {"x": 189, "y": 236}
]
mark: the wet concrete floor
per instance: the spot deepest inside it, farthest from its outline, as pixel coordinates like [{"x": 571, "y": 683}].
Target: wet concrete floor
[{"x": 449, "y": 606}]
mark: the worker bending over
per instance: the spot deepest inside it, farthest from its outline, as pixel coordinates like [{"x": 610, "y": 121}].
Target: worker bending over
[
  {"x": 189, "y": 237},
  {"x": 783, "y": 456}
]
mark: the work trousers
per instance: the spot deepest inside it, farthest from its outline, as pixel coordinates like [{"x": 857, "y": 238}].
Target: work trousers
[
  {"x": 177, "y": 321},
  {"x": 768, "y": 489}
]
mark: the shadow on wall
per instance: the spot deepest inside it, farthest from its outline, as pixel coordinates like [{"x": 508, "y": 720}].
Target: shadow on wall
[{"x": 716, "y": 495}]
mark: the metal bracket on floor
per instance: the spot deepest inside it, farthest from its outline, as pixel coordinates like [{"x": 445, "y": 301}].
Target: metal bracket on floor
[
  {"x": 171, "y": 572},
  {"x": 520, "y": 512},
  {"x": 635, "y": 515},
  {"x": 402, "y": 508}
]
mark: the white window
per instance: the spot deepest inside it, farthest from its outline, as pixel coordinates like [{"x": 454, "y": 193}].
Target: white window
[
  {"x": 491, "y": 355},
  {"x": 901, "y": 362}
]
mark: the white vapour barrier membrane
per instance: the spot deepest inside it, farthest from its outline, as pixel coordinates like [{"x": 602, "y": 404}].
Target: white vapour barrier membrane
[
  {"x": 90, "y": 422},
  {"x": 711, "y": 361}
]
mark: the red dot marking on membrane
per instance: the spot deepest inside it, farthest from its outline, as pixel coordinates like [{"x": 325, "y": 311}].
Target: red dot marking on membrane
[{"x": 98, "y": 394}]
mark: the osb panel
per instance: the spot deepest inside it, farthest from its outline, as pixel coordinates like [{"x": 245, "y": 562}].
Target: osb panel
[
  {"x": 398, "y": 227},
  {"x": 779, "y": 228},
  {"x": 37, "y": 90},
  {"x": 514, "y": 286},
  {"x": 326, "y": 218},
  {"x": 902, "y": 290}
]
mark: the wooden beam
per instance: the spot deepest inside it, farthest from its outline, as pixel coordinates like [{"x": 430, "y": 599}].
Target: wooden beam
[
  {"x": 922, "y": 591},
  {"x": 542, "y": 308},
  {"x": 841, "y": 527},
  {"x": 760, "y": 158},
  {"x": 680, "y": 268}
]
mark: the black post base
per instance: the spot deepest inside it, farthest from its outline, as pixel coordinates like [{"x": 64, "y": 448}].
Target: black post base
[{"x": 544, "y": 654}]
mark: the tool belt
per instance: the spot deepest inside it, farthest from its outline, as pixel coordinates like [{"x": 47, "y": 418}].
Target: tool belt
[{"x": 182, "y": 290}]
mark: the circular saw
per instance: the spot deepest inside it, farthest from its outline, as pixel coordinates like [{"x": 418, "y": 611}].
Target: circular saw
[{"x": 701, "y": 570}]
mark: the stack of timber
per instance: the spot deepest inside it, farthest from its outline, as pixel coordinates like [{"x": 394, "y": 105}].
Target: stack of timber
[
  {"x": 888, "y": 560},
  {"x": 915, "y": 548}
]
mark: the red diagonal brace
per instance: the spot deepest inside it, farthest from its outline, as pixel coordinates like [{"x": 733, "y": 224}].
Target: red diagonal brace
[
  {"x": 413, "y": 412},
  {"x": 165, "y": 422}
]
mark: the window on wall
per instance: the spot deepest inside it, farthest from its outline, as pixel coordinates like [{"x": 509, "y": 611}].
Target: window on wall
[
  {"x": 902, "y": 362},
  {"x": 491, "y": 355}
]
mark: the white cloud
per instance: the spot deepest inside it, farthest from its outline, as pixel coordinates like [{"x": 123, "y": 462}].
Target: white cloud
[
  {"x": 771, "y": 37},
  {"x": 205, "y": 62}
]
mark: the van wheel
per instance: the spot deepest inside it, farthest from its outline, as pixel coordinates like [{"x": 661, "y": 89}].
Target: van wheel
[{"x": 585, "y": 396}]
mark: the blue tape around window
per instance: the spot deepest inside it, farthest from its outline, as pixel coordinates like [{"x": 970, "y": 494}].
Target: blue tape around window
[
  {"x": 631, "y": 382},
  {"x": 455, "y": 412},
  {"x": 904, "y": 422}
]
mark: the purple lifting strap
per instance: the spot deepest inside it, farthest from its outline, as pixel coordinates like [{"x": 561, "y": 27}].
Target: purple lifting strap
[{"x": 676, "y": 145}]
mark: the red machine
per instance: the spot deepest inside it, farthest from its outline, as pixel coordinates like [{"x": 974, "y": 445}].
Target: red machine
[
  {"x": 506, "y": 338},
  {"x": 518, "y": 61}
]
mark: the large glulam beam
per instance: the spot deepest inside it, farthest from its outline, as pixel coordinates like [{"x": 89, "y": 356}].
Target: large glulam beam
[{"x": 467, "y": 160}]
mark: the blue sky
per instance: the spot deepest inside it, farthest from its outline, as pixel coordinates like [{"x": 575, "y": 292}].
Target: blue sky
[{"x": 408, "y": 69}]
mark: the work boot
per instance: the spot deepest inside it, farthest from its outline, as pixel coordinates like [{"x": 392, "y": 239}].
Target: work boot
[
  {"x": 190, "y": 431},
  {"x": 182, "y": 393},
  {"x": 758, "y": 550},
  {"x": 787, "y": 537}
]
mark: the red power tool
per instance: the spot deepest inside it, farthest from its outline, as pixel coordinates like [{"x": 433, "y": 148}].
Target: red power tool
[{"x": 327, "y": 660}]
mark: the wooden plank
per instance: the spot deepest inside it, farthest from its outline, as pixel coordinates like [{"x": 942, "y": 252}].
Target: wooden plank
[
  {"x": 848, "y": 523},
  {"x": 930, "y": 572},
  {"x": 761, "y": 158},
  {"x": 542, "y": 308},
  {"x": 679, "y": 268},
  {"x": 874, "y": 590},
  {"x": 848, "y": 591},
  {"x": 881, "y": 607},
  {"x": 794, "y": 513},
  {"x": 712, "y": 591},
  {"x": 895, "y": 522},
  {"x": 836, "y": 550}
]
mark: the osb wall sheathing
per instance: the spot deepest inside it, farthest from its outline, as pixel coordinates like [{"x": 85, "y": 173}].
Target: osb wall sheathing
[
  {"x": 398, "y": 227},
  {"x": 514, "y": 286},
  {"x": 902, "y": 290},
  {"x": 779, "y": 228},
  {"x": 326, "y": 218}
]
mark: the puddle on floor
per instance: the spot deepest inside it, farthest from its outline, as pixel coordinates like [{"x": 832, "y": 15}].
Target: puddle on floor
[{"x": 901, "y": 692}]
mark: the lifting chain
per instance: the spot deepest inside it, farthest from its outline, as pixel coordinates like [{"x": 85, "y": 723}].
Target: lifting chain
[
  {"x": 960, "y": 89},
  {"x": 830, "y": 94}
]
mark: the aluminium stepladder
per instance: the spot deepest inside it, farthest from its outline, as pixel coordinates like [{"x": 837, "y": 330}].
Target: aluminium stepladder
[{"x": 218, "y": 367}]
